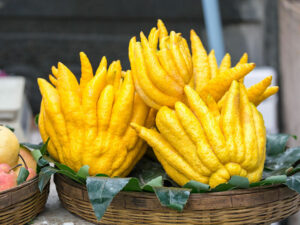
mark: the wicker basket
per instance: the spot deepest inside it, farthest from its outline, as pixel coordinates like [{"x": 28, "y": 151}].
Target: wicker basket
[
  {"x": 262, "y": 205},
  {"x": 21, "y": 204}
]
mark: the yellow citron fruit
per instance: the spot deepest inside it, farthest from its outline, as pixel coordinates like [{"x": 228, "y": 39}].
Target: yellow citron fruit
[
  {"x": 162, "y": 65},
  {"x": 199, "y": 142},
  {"x": 88, "y": 122},
  {"x": 208, "y": 78},
  {"x": 160, "y": 72},
  {"x": 9, "y": 147}
]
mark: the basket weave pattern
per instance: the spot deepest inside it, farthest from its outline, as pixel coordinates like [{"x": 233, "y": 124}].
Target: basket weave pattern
[
  {"x": 262, "y": 205},
  {"x": 21, "y": 204}
]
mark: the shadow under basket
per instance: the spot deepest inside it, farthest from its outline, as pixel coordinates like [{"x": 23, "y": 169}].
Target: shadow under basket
[
  {"x": 261, "y": 205},
  {"x": 21, "y": 204}
]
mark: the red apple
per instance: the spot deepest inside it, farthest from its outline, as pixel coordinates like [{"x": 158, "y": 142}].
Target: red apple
[{"x": 8, "y": 178}]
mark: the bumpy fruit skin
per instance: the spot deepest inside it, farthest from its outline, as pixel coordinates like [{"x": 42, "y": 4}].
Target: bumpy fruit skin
[
  {"x": 9, "y": 147},
  {"x": 88, "y": 123},
  {"x": 162, "y": 65},
  {"x": 199, "y": 142}
]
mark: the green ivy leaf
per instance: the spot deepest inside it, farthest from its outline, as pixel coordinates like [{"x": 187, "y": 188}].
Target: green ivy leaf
[
  {"x": 239, "y": 182},
  {"x": 83, "y": 172},
  {"x": 133, "y": 185},
  {"x": 174, "y": 198},
  {"x": 197, "y": 187},
  {"x": 223, "y": 187},
  {"x": 279, "y": 163},
  {"x": 23, "y": 174},
  {"x": 102, "y": 190},
  {"x": 280, "y": 179},
  {"x": 45, "y": 175},
  {"x": 44, "y": 147},
  {"x": 293, "y": 182},
  {"x": 30, "y": 146},
  {"x": 36, "y": 154},
  {"x": 276, "y": 143},
  {"x": 156, "y": 182}
]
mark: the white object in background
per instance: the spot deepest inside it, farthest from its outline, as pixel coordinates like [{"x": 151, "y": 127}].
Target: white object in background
[
  {"x": 14, "y": 108},
  {"x": 269, "y": 107}
]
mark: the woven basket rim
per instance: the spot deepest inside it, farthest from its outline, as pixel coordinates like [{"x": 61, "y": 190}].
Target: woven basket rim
[
  {"x": 222, "y": 193},
  {"x": 26, "y": 183}
]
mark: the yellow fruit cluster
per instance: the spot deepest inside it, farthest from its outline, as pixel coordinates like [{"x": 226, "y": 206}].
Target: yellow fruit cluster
[
  {"x": 88, "y": 123},
  {"x": 199, "y": 142},
  {"x": 208, "y": 126}
]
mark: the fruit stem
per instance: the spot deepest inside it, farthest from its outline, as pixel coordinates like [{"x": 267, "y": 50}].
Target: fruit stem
[
  {"x": 26, "y": 167},
  {"x": 15, "y": 167}
]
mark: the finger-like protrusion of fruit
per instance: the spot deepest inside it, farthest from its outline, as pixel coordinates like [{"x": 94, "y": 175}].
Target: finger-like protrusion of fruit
[
  {"x": 90, "y": 98},
  {"x": 54, "y": 71},
  {"x": 212, "y": 107},
  {"x": 53, "y": 80},
  {"x": 255, "y": 91},
  {"x": 159, "y": 144},
  {"x": 201, "y": 70},
  {"x": 178, "y": 58},
  {"x": 51, "y": 104},
  {"x": 256, "y": 175},
  {"x": 53, "y": 145},
  {"x": 131, "y": 53},
  {"x": 131, "y": 159},
  {"x": 163, "y": 32},
  {"x": 214, "y": 70},
  {"x": 219, "y": 177},
  {"x": 172, "y": 131},
  {"x": 235, "y": 169},
  {"x": 104, "y": 108},
  {"x": 217, "y": 87},
  {"x": 139, "y": 115},
  {"x": 185, "y": 51},
  {"x": 178, "y": 177},
  {"x": 209, "y": 124},
  {"x": 145, "y": 83},
  {"x": 153, "y": 38},
  {"x": 86, "y": 70},
  {"x": 225, "y": 63},
  {"x": 122, "y": 109},
  {"x": 249, "y": 133},
  {"x": 156, "y": 73},
  {"x": 193, "y": 128},
  {"x": 167, "y": 62},
  {"x": 269, "y": 92},
  {"x": 102, "y": 64},
  {"x": 231, "y": 125},
  {"x": 243, "y": 59}
]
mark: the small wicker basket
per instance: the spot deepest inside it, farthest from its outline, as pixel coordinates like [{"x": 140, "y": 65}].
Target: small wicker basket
[
  {"x": 262, "y": 205},
  {"x": 21, "y": 204}
]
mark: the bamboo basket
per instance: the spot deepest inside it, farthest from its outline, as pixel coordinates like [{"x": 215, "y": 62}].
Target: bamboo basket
[
  {"x": 262, "y": 205},
  {"x": 21, "y": 204}
]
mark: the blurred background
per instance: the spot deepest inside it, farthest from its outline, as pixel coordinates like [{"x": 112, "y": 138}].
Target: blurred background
[{"x": 35, "y": 34}]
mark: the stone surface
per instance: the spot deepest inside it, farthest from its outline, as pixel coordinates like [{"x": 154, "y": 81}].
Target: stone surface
[{"x": 55, "y": 214}]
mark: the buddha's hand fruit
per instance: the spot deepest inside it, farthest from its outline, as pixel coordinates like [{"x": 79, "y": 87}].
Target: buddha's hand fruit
[
  {"x": 88, "y": 123},
  {"x": 9, "y": 147},
  {"x": 203, "y": 144},
  {"x": 8, "y": 178},
  {"x": 160, "y": 74}
]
